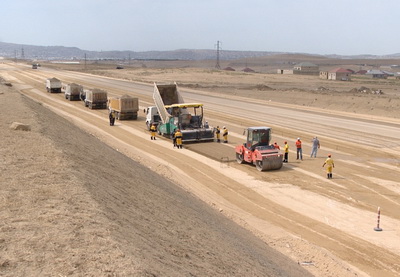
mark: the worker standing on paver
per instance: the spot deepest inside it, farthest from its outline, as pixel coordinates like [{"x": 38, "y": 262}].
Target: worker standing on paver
[
  {"x": 276, "y": 146},
  {"x": 286, "y": 149},
  {"x": 178, "y": 138},
  {"x": 225, "y": 134},
  {"x": 153, "y": 130},
  {"x": 330, "y": 165},
  {"x": 218, "y": 134},
  {"x": 299, "y": 149},
  {"x": 315, "y": 147}
]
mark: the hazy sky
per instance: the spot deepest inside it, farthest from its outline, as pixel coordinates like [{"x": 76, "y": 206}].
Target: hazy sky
[{"x": 345, "y": 27}]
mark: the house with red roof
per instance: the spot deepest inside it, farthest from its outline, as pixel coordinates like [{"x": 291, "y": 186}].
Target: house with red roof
[{"x": 340, "y": 74}]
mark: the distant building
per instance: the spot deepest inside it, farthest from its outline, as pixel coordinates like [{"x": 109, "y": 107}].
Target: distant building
[
  {"x": 339, "y": 74},
  {"x": 306, "y": 68},
  {"x": 284, "y": 71},
  {"x": 323, "y": 75},
  {"x": 361, "y": 72},
  {"x": 379, "y": 74}
]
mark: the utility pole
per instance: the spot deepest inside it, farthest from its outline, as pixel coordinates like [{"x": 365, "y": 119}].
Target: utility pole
[
  {"x": 22, "y": 53},
  {"x": 85, "y": 61},
  {"x": 217, "y": 65}
]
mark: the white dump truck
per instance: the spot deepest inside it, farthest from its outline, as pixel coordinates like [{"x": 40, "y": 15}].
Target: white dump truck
[
  {"x": 72, "y": 91},
  {"x": 96, "y": 99},
  {"x": 53, "y": 85},
  {"x": 152, "y": 116},
  {"x": 124, "y": 107}
]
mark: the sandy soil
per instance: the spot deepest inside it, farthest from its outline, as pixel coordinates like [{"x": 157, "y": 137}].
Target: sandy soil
[
  {"x": 305, "y": 92},
  {"x": 72, "y": 206},
  {"x": 356, "y": 96}
]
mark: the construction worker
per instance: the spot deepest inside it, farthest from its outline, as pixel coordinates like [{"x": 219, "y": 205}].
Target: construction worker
[
  {"x": 276, "y": 146},
  {"x": 315, "y": 147},
  {"x": 111, "y": 115},
  {"x": 225, "y": 134},
  {"x": 218, "y": 133},
  {"x": 299, "y": 149},
  {"x": 330, "y": 165},
  {"x": 178, "y": 138},
  {"x": 174, "y": 138},
  {"x": 286, "y": 149},
  {"x": 153, "y": 130}
]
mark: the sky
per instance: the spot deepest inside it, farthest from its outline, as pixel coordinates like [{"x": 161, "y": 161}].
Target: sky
[{"x": 343, "y": 27}]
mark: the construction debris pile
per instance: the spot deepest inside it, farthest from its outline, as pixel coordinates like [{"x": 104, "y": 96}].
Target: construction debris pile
[{"x": 366, "y": 90}]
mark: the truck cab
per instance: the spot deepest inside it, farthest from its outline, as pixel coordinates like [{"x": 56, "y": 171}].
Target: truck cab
[{"x": 152, "y": 116}]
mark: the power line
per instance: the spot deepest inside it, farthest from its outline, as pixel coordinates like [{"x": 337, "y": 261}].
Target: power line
[{"x": 218, "y": 49}]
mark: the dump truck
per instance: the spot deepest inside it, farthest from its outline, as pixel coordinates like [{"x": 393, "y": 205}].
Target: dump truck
[
  {"x": 95, "y": 99},
  {"x": 124, "y": 107},
  {"x": 176, "y": 114},
  {"x": 152, "y": 116},
  {"x": 53, "y": 85},
  {"x": 258, "y": 150},
  {"x": 72, "y": 91}
]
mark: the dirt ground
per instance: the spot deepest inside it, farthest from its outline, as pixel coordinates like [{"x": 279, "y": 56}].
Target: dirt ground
[
  {"x": 357, "y": 96},
  {"x": 72, "y": 206},
  {"x": 97, "y": 221}
]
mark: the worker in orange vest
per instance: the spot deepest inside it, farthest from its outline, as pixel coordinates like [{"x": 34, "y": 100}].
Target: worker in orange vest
[
  {"x": 299, "y": 149},
  {"x": 276, "y": 146}
]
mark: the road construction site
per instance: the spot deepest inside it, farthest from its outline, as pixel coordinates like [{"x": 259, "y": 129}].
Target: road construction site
[{"x": 315, "y": 221}]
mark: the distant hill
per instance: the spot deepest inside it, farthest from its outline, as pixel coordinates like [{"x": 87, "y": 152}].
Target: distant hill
[{"x": 12, "y": 50}]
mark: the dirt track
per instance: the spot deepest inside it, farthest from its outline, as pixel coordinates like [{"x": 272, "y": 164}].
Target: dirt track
[
  {"x": 318, "y": 213},
  {"x": 73, "y": 206}
]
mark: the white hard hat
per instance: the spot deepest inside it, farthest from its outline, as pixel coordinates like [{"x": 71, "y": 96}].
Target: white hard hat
[
  {"x": 298, "y": 138},
  {"x": 224, "y": 127}
]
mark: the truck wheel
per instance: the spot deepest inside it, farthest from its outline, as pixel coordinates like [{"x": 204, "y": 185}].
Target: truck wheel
[{"x": 239, "y": 158}]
